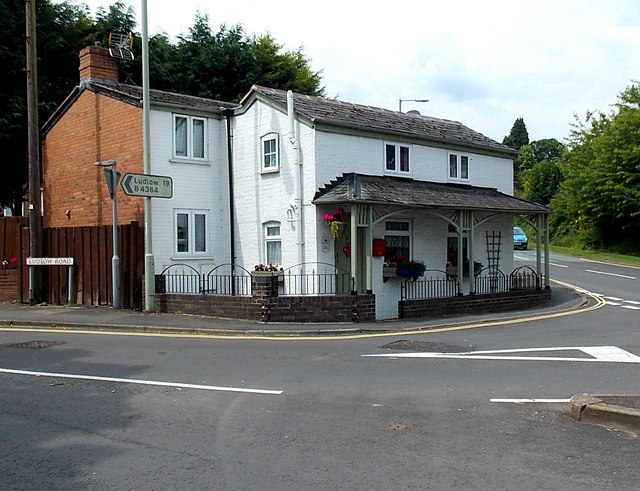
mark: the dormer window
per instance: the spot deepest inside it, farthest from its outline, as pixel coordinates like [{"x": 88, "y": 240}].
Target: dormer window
[
  {"x": 270, "y": 152},
  {"x": 458, "y": 167},
  {"x": 396, "y": 158}
]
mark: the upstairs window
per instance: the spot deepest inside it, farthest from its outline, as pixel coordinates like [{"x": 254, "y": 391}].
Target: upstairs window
[
  {"x": 396, "y": 158},
  {"x": 458, "y": 166},
  {"x": 270, "y": 152},
  {"x": 189, "y": 137}
]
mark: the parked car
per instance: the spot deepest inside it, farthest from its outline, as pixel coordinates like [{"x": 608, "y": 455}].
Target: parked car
[{"x": 520, "y": 240}]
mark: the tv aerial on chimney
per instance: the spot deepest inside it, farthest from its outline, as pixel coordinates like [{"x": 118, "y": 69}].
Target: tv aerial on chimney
[{"x": 120, "y": 45}]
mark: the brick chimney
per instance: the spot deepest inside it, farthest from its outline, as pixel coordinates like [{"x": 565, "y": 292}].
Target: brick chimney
[{"x": 96, "y": 65}]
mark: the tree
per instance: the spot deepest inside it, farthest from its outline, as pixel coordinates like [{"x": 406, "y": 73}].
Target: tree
[
  {"x": 62, "y": 30},
  {"x": 539, "y": 175},
  {"x": 290, "y": 70},
  {"x": 541, "y": 182},
  {"x": 549, "y": 150},
  {"x": 518, "y": 135},
  {"x": 600, "y": 195},
  {"x": 516, "y": 139},
  {"x": 219, "y": 65}
]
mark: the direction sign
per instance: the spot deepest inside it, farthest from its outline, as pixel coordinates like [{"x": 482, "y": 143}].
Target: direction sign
[{"x": 147, "y": 185}]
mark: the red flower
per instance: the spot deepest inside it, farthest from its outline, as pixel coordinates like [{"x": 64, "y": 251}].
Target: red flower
[
  {"x": 13, "y": 260},
  {"x": 327, "y": 217}
]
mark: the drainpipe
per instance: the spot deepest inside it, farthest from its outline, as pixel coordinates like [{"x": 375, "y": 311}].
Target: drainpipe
[
  {"x": 297, "y": 198},
  {"x": 228, "y": 114}
]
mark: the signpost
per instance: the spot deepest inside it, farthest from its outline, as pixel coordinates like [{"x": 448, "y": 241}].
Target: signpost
[{"x": 147, "y": 185}]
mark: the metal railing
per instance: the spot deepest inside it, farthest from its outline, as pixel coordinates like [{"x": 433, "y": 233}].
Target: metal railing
[
  {"x": 224, "y": 279},
  {"x": 227, "y": 279},
  {"x": 438, "y": 285},
  {"x": 315, "y": 279},
  {"x": 491, "y": 280},
  {"x": 524, "y": 278}
]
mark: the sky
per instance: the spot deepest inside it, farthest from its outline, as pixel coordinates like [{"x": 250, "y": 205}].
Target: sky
[{"x": 483, "y": 63}]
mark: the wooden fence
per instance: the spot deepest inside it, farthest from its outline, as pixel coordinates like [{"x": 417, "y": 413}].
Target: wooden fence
[{"x": 92, "y": 250}]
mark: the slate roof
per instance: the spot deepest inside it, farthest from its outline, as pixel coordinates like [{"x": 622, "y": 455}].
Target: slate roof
[
  {"x": 132, "y": 94},
  {"x": 387, "y": 190},
  {"x": 347, "y": 114}
]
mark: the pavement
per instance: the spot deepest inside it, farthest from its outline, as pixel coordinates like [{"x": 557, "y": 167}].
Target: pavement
[
  {"x": 106, "y": 318},
  {"x": 614, "y": 411}
]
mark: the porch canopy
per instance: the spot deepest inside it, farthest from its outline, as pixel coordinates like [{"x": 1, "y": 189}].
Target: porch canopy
[{"x": 375, "y": 198}]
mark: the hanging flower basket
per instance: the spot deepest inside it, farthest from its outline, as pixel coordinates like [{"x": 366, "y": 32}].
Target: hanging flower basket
[{"x": 335, "y": 219}]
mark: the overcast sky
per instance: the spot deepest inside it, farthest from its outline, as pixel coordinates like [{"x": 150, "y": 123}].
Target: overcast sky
[{"x": 482, "y": 63}]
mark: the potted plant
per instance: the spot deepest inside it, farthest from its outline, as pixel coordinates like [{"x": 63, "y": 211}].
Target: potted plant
[{"x": 408, "y": 268}]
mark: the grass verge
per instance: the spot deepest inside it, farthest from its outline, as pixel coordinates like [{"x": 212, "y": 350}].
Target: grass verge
[{"x": 598, "y": 256}]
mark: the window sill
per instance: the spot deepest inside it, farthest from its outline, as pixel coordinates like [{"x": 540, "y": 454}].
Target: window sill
[
  {"x": 176, "y": 160},
  {"x": 191, "y": 257},
  {"x": 270, "y": 171},
  {"x": 397, "y": 173}
]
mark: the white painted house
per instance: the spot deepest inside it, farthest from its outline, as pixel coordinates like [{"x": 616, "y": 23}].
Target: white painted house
[
  {"x": 259, "y": 182},
  {"x": 298, "y": 158},
  {"x": 277, "y": 163}
]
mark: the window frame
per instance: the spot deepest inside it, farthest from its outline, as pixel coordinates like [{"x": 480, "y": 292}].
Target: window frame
[
  {"x": 461, "y": 170},
  {"x": 272, "y": 239},
  {"x": 264, "y": 139},
  {"x": 193, "y": 237},
  {"x": 190, "y": 153},
  {"x": 401, "y": 162},
  {"x": 398, "y": 233}
]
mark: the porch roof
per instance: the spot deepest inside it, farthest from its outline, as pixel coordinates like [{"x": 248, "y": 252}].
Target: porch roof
[{"x": 410, "y": 193}]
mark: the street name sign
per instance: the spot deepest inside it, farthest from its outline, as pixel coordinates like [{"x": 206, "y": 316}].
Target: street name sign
[
  {"x": 147, "y": 185},
  {"x": 50, "y": 261}
]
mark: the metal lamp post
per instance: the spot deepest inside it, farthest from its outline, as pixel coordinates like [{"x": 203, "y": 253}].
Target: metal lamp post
[
  {"x": 112, "y": 177},
  {"x": 409, "y": 100}
]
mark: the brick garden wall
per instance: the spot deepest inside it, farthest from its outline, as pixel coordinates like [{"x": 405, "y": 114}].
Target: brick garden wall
[
  {"x": 474, "y": 304},
  {"x": 265, "y": 305},
  {"x": 10, "y": 285}
]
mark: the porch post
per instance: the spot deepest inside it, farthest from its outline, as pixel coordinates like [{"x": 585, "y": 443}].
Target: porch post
[
  {"x": 540, "y": 231},
  {"x": 355, "y": 247},
  {"x": 460, "y": 253},
  {"x": 472, "y": 269},
  {"x": 547, "y": 280},
  {"x": 368, "y": 250}
]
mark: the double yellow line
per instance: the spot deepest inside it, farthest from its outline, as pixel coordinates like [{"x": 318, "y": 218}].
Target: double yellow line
[{"x": 599, "y": 302}]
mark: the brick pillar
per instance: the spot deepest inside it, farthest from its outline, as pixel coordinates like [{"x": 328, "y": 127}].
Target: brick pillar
[{"x": 264, "y": 286}]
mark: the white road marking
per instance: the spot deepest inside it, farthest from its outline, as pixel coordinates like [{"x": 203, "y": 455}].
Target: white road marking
[
  {"x": 634, "y": 302},
  {"x": 613, "y": 298},
  {"x": 140, "y": 382},
  {"x": 559, "y": 265},
  {"x": 599, "y": 354},
  {"x": 613, "y": 303},
  {"x": 611, "y": 274},
  {"x": 527, "y": 401},
  {"x": 630, "y": 307}
]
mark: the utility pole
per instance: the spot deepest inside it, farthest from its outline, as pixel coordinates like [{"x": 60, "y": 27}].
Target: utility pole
[{"x": 35, "y": 207}]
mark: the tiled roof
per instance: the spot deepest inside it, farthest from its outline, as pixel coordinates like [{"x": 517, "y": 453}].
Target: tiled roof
[
  {"x": 133, "y": 94},
  {"x": 386, "y": 190},
  {"x": 347, "y": 114}
]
